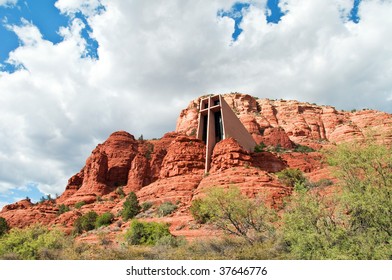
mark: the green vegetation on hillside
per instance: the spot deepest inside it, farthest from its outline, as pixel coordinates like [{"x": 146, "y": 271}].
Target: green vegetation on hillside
[
  {"x": 3, "y": 226},
  {"x": 131, "y": 207},
  {"x": 353, "y": 223},
  {"x": 236, "y": 214},
  {"x": 144, "y": 233}
]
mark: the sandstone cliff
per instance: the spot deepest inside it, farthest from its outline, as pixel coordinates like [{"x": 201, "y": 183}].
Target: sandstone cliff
[
  {"x": 286, "y": 122},
  {"x": 172, "y": 168}
]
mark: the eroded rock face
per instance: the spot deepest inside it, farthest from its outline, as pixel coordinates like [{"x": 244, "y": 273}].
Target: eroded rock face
[
  {"x": 172, "y": 168},
  {"x": 252, "y": 182},
  {"x": 24, "y": 213},
  {"x": 185, "y": 155},
  {"x": 106, "y": 169},
  {"x": 286, "y": 122},
  {"x": 228, "y": 153}
]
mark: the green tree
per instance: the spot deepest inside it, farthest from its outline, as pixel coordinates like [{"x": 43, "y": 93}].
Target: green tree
[
  {"x": 356, "y": 223},
  {"x": 3, "y": 226},
  {"x": 312, "y": 228},
  {"x": 104, "y": 219},
  {"x": 85, "y": 222},
  {"x": 130, "y": 207},
  {"x": 146, "y": 233},
  {"x": 365, "y": 173},
  {"x": 237, "y": 214}
]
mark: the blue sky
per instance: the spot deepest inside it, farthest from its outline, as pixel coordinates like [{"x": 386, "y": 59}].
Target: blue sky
[
  {"x": 48, "y": 20},
  {"x": 74, "y": 71}
]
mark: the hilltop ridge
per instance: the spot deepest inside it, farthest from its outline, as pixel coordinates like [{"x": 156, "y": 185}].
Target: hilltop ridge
[{"x": 171, "y": 169}]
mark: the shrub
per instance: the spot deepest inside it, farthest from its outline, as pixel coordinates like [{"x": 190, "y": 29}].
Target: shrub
[
  {"x": 79, "y": 204},
  {"x": 199, "y": 212},
  {"x": 166, "y": 208},
  {"x": 277, "y": 149},
  {"x": 259, "y": 148},
  {"x": 146, "y": 205},
  {"x": 34, "y": 242},
  {"x": 239, "y": 215},
  {"x": 3, "y": 226},
  {"x": 85, "y": 222},
  {"x": 120, "y": 192},
  {"x": 62, "y": 209},
  {"x": 321, "y": 183},
  {"x": 149, "y": 151},
  {"x": 303, "y": 149},
  {"x": 104, "y": 220},
  {"x": 291, "y": 177},
  {"x": 311, "y": 228},
  {"x": 146, "y": 233},
  {"x": 354, "y": 224},
  {"x": 130, "y": 207},
  {"x": 170, "y": 241}
]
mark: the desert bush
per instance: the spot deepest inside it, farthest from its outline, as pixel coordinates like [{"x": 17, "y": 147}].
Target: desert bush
[
  {"x": 311, "y": 229},
  {"x": 3, "y": 226},
  {"x": 364, "y": 171},
  {"x": 199, "y": 211},
  {"x": 85, "y": 222},
  {"x": 291, "y": 177},
  {"x": 79, "y": 204},
  {"x": 166, "y": 208},
  {"x": 62, "y": 209},
  {"x": 130, "y": 207},
  {"x": 239, "y": 215},
  {"x": 321, "y": 183},
  {"x": 34, "y": 242},
  {"x": 170, "y": 241},
  {"x": 354, "y": 224},
  {"x": 259, "y": 148},
  {"x": 223, "y": 248},
  {"x": 120, "y": 191},
  {"x": 303, "y": 149},
  {"x": 146, "y": 205},
  {"x": 104, "y": 220},
  {"x": 146, "y": 233}
]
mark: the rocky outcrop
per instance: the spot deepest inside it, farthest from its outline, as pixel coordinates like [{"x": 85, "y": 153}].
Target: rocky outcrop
[
  {"x": 228, "y": 153},
  {"x": 284, "y": 122},
  {"x": 22, "y": 204},
  {"x": 185, "y": 155},
  {"x": 106, "y": 169},
  {"x": 252, "y": 182},
  {"x": 24, "y": 213},
  {"x": 172, "y": 168}
]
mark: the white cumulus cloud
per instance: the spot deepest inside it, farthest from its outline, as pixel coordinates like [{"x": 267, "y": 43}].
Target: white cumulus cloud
[
  {"x": 8, "y": 2},
  {"x": 155, "y": 56}
]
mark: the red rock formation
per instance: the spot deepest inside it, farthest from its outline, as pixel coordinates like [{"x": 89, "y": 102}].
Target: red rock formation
[
  {"x": 268, "y": 162},
  {"x": 228, "y": 153},
  {"x": 24, "y": 213},
  {"x": 274, "y": 136},
  {"x": 302, "y": 122},
  {"x": 306, "y": 162},
  {"x": 185, "y": 155},
  {"x": 22, "y": 204},
  {"x": 252, "y": 182},
  {"x": 181, "y": 172},
  {"x": 172, "y": 168}
]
